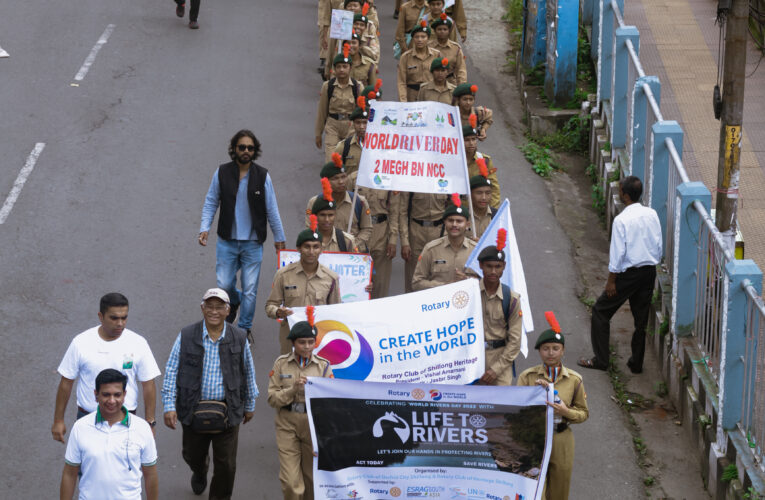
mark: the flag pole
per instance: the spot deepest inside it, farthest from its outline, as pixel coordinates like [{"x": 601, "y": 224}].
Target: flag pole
[{"x": 467, "y": 173}]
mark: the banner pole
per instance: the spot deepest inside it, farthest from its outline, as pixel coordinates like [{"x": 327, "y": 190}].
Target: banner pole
[
  {"x": 467, "y": 173},
  {"x": 353, "y": 210}
]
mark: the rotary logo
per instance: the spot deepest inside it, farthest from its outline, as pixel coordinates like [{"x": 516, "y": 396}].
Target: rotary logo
[
  {"x": 477, "y": 421},
  {"x": 395, "y": 492},
  {"x": 418, "y": 393},
  {"x": 460, "y": 299}
]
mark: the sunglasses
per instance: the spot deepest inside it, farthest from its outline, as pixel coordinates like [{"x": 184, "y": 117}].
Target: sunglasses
[{"x": 242, "y": 147}]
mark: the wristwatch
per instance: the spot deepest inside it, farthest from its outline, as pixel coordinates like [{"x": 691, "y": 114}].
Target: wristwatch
[{"x": 153, "y": 423}]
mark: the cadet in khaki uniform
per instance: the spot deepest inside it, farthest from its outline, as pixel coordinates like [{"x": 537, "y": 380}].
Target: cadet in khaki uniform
[
  {"x": 572, "y": 408},
  {"x": 480, "y": 193},
  {"x": 325, "y": 19},
  {"x": 502, "y": 335},
  {"x": 476, "y": 159},
  {"x": 436, "y": 8},
  {"x": 420, "y": 222},
  {"x": 450, "y": 49},
  {"x": 369, "y": 44},
  {"x": 414, "y": 65},
  {"x": 464, "y": 98},
  {"x": 410, "y": 15},
  {"x": 333, "y": 112},
  {"x": 333, "y": 239},
  {"x": 443, "y": 260},
  {"x": 360, "y": 229},
  {"x": 302, "y": 283},
  {"x": 439, "y": 89},
  {"x": 363, "y": 69},
  {"x": 349, "y": 148},
  {"x": 286, "y": 393}
]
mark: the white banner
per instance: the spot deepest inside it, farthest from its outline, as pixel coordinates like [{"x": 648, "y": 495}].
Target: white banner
[
  {"x": 433, "y": 336},
  {"x": 391, "y": 441},
  {"x": 354, "y": 269},
  {"x": 513, "y": 275},
  {"x": 341, "y": 27},
  {"x": 414, "y": 146}
]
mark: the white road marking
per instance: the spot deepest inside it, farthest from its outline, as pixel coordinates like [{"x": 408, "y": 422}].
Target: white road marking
[
  {"x": 20, "y": 181},
  {"x": 4, "y": 53},
  {"x": 93, "y": 53}
]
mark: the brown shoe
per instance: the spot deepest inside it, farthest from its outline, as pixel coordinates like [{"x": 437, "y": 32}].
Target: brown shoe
[{"x": 194, "y": 25}]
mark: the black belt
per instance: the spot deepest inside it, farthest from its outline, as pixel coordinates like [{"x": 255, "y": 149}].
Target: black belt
[
  {"x": 640, "y": 268},
  {"x": 377, "y": 219},
  {"x": 339, "y": 116},
  {"x": 295, "y": 407},
  {"x": 428, "y": 223},
  {"x": 414, "y": 86},
  {"x": 561, "y": 427},
  {"x": 494, "y": 344}
]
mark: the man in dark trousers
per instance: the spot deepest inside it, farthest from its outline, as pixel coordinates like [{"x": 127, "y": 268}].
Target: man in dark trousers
[
  {"x": 636, "y": 249},
  {"x": 210, "y": 388},
  {"x": 247, "y": 201},
  {"x": 180, "y": 11}
]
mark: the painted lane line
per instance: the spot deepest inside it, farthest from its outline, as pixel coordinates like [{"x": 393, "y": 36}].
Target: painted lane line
[
  {"x": 93, "y": 53},
  {"x": 26, "y": 170},
  {"x": 4, "y": 53}
]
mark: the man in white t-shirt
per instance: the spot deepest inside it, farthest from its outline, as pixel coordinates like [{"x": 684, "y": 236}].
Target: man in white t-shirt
[
  {"x": 109, "y": 345},
  {"x": 112, "y": 448}
]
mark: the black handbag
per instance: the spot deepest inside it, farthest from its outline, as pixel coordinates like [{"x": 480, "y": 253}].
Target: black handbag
[{"x": 210, "y": 417}]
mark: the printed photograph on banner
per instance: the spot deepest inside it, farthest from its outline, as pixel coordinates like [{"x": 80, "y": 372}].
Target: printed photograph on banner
[
  {"x": 433, "y": 336},
  {"x": 493, "y": 439},
  {"x": 355, "y": 271}
]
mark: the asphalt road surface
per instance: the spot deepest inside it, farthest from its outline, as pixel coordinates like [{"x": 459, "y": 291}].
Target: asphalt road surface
[{"x": 114, "y": 199}]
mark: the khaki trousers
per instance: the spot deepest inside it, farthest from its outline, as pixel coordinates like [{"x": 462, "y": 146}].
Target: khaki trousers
[
  {"x": 334, "y": 132},
  {"x": 293, "y": 440},
  {"x": 378, "y": 245},
  {"x": 504, "y": 378},
  {"x": 419, "y": 236},
  {"x": 560, "y": 467}
]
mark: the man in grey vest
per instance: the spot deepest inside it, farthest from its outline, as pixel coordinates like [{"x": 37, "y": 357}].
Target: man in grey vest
[{"x": 210, "y": 388}]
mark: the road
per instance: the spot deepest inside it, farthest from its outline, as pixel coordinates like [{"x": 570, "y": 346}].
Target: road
[{"x": 114, "y": 200}]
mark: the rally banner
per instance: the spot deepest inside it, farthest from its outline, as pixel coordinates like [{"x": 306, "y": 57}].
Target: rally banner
[
  {"x": 430, "y": 336},
  {"x": 386, "y": 441},
  {"x": 341, "y": 24},
  {"x": 513, "y": 275},
  {"x": 413, "y": 146},
  {"x": 354, "y": 269}
]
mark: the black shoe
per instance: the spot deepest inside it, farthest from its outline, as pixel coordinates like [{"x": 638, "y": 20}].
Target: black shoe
[
  {"x": 395, "y": 14},
  {"x": 180, "y": 10},
  {"x": 633, "y": 368},
  {"x": 198, "y": 483},
  {"x": 232, "y": 315},
  {"x": 321, "y": 67}
]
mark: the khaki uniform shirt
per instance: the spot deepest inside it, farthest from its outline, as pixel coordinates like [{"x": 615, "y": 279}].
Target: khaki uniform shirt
[
  {"x": 457, "y": 67},
  {"x": 473, "y": 171},
  {"x": 485, "y": 119},
  {"x": 495, "y": 327},
  {"x": 351, "y": 161},
  {"x": 430, "y": 18},
  {"x": 384, "y": 203},
  {"x": 482, "y": 222},
  {"x": 438, "y": 263},
  {"x": 425, "y": 206},
  {"x": 369, "y": 46},
  {"x": 570, "y": 390},
  {"x": 282, "y": 382},
  {"x": 342, "y": 102},
  {"x": 414, "y": 69},
  {"x": 408, "y": 15},
  {"x": 361, "y": 230},
  {"x": 429, "y": 92},
  {"x": 457, "y": 12},
  {"x": 331, "y": 244},
  {"x": 293, "y": 288}
]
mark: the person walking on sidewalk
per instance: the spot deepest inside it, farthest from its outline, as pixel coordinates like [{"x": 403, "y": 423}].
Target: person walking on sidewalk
[
  {"x": 180, "y": 11},
  {"x": 247, "y": 200},
  {"x": 636, "y": 249}
]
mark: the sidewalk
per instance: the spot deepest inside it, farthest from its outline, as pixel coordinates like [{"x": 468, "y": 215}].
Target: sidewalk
[{"x": 678, "y": 43}]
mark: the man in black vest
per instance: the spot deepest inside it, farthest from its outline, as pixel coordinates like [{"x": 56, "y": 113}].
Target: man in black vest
[
  {"x": 210, "y": 388},
  {"x": 247, "y": 199}
]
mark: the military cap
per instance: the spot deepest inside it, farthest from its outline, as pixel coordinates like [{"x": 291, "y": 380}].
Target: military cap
[
  {"x": 440, "y": 63},
  {"x": 342, "y": 58},
  {"x": 360, "y": 17},
  {"x": 302, "y": 330},
  {"x": 332, "y": 168},
  {"x": 456, "y": 208},
  {"x": 550, "y": 335},
  {"x": 465, "y": 89},
  {"x": 307, "y": 235},
  {"x": 421, "y": 27},
  {"x": 443, "y": 20},
  {"x": 478, "y": 181},
  {"x": 322, "y": 204},
  {"x": 359, "y": 113},
  {"x": 491, "y": 253},
  {"x": 468, "y": 130},
  {"x": 370, "y": 89}
]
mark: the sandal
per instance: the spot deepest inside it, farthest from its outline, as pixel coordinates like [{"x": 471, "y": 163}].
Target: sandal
[{"x": 590, "y": 363}]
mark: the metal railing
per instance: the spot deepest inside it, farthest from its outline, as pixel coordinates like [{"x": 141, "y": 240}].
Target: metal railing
[{"x": 752, "y": 423}]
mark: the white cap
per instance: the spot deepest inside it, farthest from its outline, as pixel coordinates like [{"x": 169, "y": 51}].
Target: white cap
[{"x": 216, "y": 293}]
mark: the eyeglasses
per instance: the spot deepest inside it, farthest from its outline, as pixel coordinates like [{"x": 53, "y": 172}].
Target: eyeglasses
[{"x": 242, "y": 147}]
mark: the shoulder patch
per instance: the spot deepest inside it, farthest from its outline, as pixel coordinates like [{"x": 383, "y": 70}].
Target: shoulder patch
[
  {"x": 308, "y": 211},
  {"x": 332, "y": 375},
  {"x": 368, "y": 211},
  {"x": 271, "y": 373}
]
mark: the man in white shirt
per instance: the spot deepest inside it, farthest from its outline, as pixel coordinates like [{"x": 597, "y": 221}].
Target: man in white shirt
[
  {"x": 112, "y": 448},
  {"x": 636, "y": 249},
  {"x": 109, "y": 345}
]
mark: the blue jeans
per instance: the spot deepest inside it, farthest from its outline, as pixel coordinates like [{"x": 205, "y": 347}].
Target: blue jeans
[{"x": 232, "y": 255}]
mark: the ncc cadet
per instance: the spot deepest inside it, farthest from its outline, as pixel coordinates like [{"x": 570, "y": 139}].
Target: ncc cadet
[
  {"x": 443, "y": 260},
  {"x": 373, "y": 91},
  {"x": 369, "y": 44},
  {"x": 502, "y": 321},
  {"x": 410, "y": 15},
  {"x": 438, "y": 89},
  {"x": 414, "y": 65},
  {"x": 302, "y": 283},
  {"x": 450, "y": 49},
  {"x": 333, "y": 239},
  {"x": 480, "y": 193},
  {"x": 361, "y": 229},
  {"x": 337, "y": 100},
  {"x": 325, "y": 19},
  {"x": 436, "y": 8},
  {"x": 349, "y": 148},
  {"x": 363, "y": 70},
  {"x": 572, "y": 407},
  {"x": 464, "y": 98},
  {"x": 384, "y": 206},
  {"x": 457, "y": 12},
  {"x": 286, "y": 393},
  {"x": 420, "y": 222},
  {"x": 475, "y": 158}
]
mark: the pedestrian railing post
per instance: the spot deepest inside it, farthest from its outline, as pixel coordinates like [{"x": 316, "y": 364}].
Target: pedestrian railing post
[
  {"x": 619, "y": 83},
  {"x": 605, "y": 50},
  {"x": 640, "y": 105},
  {"x": 660, "y": 165},
  {"x": 597, "y": 9}
]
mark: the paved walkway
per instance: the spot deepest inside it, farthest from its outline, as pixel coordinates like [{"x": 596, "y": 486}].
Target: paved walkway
[{"x": 678, "y": 43}]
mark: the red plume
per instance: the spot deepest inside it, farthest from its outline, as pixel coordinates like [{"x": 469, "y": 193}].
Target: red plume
[
  {"x": 346, "y": 49},
  {"x": 445, "y": 62},
  {"x": 501, "y": 239},
  {"x": 456, "y": 201},
  {"x": 482, "y": 169},
  {"x": 378, "y": 84},
  {"x": 365, "y": 9},
  {"x": 473, "y": 120},
  {"x": 550, "y": 317},
  {"x": 309, "y": 315},
  {"x": 474, "y": 88},
  {"x": 313, "y": 222},
  {"x": 361, "y": 102},
  {"x": 326, "y": 189},
  {"x": 424, "y": 23},
  {"x": 444, "y": 16},
  {"x": 372, "y": 95},
  {"x": 337, "y": 160}
]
